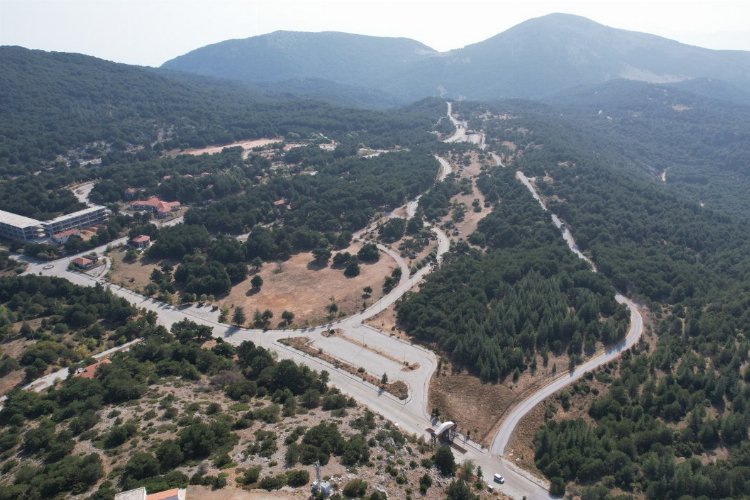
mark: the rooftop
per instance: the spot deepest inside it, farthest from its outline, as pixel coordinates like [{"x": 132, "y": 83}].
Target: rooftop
[
  {"x": 157, "y": 204},
  {"x": 90, "y": 370},
  {"x": 136, "y": 494},
  {"x": 82, "y": 261},
  {"x": 141, "y": 238},
  {"x": 91, "y": 209},
  {"x": 17, "y": 220},
  {"x": 173, "y": 494}
]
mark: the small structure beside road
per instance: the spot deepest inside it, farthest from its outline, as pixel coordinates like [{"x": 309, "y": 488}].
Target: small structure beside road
[
  {"x": 141, "y": 241},
  {"x": 89, "y": 371},
  {"x": 141, "y": 494},
  {"x": 84, "y": 262}
]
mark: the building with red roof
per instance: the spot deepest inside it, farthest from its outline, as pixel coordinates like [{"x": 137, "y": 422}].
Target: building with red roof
[
  {"x": 141, "y": 241},
  {"x": 90, "y": 370},
  {"x": 83, "y": 263},
  {"x": 159, "y": 207}
]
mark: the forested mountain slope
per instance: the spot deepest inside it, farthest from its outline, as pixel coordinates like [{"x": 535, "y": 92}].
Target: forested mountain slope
[
  {"x": 536, "y": 58},
  {"x": 673, "y": 417},
  {"x": 285, "y": 55},
  {"x": 55, "y": 102},
  {"x": 695, "y": 146},
  {"x": 493, "y": 313}
]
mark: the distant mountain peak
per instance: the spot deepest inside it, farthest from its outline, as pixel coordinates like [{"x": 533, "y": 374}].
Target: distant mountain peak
[{"x": 538, "y": 57}]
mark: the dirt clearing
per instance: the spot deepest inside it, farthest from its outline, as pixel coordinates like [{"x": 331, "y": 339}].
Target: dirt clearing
[
  {"x": 134, "y": 276},
  {"x": 296, "y": 286},
  {"x": 245, "y": 145},
  {"x": 479, "y": 407}
]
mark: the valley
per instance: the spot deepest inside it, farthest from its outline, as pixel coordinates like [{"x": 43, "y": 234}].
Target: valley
[
  {"x": 376, "y": 352},
  {"x": 283, "y": 256}
]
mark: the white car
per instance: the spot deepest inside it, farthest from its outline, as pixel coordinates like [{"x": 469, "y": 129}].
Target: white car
[{"x": 498, "y": 478}]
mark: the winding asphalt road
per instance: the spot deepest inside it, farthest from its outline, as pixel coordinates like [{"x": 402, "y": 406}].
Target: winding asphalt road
[{"x": 410, "y": 414}]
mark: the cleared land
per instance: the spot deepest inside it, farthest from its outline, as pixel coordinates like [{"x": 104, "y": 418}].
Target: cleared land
[
  {"x": 306, "y": 290},
  {"x": 479, "y": 407},
  {"x": 245, "y": 145},
  {"x": 134, "y": 275},
  {"x": 471, "y": 218}
]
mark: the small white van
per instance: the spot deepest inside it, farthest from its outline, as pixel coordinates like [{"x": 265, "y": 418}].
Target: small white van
[{"x": 498, "y": 478}]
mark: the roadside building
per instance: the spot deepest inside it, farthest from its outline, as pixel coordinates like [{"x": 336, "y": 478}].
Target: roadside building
[
  {"x": 141, "y": 241},
  {"x": 141, "y": 494},
  {"x": 18, "y": 227},
  {"x": 83, "y": 263},
  {"x": 90, "y": 370},
  {"x": 159, "y": 207},
  {"x": 62, "y": 237},
  {"x": 88, "y": 217}
]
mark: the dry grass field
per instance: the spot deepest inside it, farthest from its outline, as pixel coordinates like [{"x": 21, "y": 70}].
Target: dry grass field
[{"x": 296, "y": 286}]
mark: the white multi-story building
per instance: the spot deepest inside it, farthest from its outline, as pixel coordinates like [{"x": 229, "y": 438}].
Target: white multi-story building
[
  {"x": 87, "y": 217},
  {"x": 18, "y": 227}
]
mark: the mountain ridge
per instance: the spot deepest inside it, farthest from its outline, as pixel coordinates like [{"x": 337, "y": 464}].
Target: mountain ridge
[{"x": 538, "y": 57}]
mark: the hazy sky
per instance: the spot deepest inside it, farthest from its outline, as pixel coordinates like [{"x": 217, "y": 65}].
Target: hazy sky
[{"x": 149, "y": 32}]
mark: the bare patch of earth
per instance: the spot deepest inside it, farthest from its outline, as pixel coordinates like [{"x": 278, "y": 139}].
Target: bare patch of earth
[
  {"x": 134, "y": 275},
  {"x": 307, "y": 291}
]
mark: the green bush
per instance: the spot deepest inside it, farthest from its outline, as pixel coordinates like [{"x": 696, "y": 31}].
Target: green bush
[
  {"x": 355, "y": 488},
  {"x": 273, "y": 482},
  {"x": 297, "y": 477},
  {"x": 251, "y": 476}
]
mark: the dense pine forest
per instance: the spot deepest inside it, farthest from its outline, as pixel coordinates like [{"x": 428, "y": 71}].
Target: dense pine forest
[
  {"x": 493, "y": 311},
  {"x": 669, "y": 410}
]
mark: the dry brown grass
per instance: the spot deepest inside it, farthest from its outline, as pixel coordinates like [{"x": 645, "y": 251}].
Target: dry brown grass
[
  {"x": 386, "y": 321},
  {"x": 10, "y": 380},
  {"x": 479, "y": 407},
  {"x": 306, "y": 291},
  {"x": 520, "y": 448},
  {"x": 134, "y": 276}
]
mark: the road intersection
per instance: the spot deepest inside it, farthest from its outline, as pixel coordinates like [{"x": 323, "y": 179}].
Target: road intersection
[{"x": 362, "y": 348}]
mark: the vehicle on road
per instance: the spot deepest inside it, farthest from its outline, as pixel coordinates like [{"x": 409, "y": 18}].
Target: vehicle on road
[{"x": 498, "y": 478}]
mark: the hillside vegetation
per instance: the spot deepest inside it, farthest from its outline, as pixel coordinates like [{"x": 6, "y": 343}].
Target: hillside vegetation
[{"x": 673, "y": 420}]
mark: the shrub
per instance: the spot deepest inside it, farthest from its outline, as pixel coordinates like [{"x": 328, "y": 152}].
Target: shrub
[
  {"x": 273, "y": 482},
  {"x": 355, "y": 488},
  {"x": 251, "y": 476},
  {"x": 297, "y": 477}
]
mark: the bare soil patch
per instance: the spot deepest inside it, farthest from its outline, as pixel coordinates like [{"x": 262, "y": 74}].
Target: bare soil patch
[
  {"x": 480, "y": 407},
  {"x": 134, "y": 276},
  {"x": 207, "y": 493},
  {"x": 471, "y": 218},
  {"x": 14, "y": 348},
  {"x": 306, "y": 291},
  {"x": 11, "y": 380},
  {"x": 386, "y": 321},
  {"x": 521, "y": 445},
  {"x": 245, "y": 145}
]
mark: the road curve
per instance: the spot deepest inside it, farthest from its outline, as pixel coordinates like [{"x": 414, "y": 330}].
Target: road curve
[
  {"x": 410, "y": 414},
  {"x": 504, "y": 433}
]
